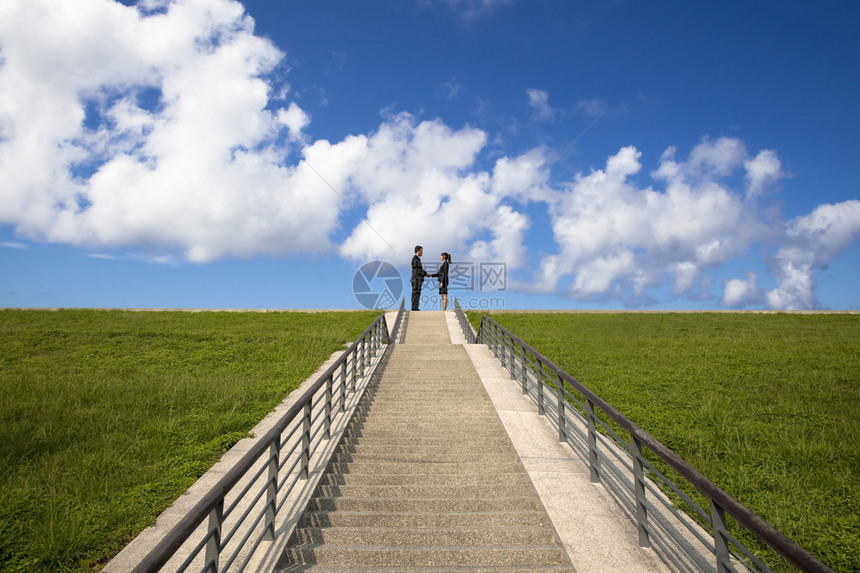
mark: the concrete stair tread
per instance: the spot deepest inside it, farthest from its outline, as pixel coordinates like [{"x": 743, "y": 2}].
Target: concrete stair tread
[
  {"x": 406, "y": 468},
  {"x": 382, "y": 555},
  {"x": 317, "y": 568},
  {"x": 426, "y": 520},
  {"x": 469, "y": 453},
  {"x": 463, "y": 449},
  {"x": 418, "y": 536},
  {"x": 479, "y": 491},
  {"x": 439, "y": 457},
  {"x": 424, "y": 505},
  {"x": 493, "y": 479}
]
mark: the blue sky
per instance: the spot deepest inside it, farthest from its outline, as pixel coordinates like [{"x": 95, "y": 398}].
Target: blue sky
[{"x": 217, "y": 154}]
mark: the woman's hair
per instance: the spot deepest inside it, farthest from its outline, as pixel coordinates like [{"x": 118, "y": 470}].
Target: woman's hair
[{"x": 447, "y": 256}]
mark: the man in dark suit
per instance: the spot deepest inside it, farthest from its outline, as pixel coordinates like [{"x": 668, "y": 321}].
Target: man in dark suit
[{"x": 418, "y": 274}]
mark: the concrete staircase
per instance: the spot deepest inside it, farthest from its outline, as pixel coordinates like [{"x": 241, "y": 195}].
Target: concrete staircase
[{"x": 426, "y": 478}]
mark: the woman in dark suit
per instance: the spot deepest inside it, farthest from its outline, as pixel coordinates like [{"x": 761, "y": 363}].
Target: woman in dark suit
[{"x": 443, "y": 279}]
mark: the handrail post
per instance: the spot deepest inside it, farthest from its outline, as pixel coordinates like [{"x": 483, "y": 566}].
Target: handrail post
[
  {"x": 592, "y": 442},
  {"x": 497, "y": 345},
  {"x": 353, "y": 369},
  {"x": 306, "y": 440},
  {"x": 329, "y": 386},
  {"x": 213, "y": 545},
  {"x": 361, "y": 352},
  {"x": 540, "y": 398},
  {"x": 524, "y": 380},
  {"x": 343, "y": 386},
  {"x": 639, "y": 492},
  {"x": 721, "y": 540},
  {"x": 504, "y": 345},
  {"x": 272, "y": 490},
  {"x": 494, "y": 340},
  {"x": 559, "y": 390}
]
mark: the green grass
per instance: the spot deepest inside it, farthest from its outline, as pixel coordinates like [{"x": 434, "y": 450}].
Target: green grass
[
  {"x": 767, "y": 406},
  {"x": 108, "y": 416}
]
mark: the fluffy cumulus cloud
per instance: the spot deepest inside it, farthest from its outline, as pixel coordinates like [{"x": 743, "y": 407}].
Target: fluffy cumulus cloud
[
  {"x": 740, "y": 292},
  {"x": 811, "y": 242},
  {"x": 614, "y": 234},
  {"x": 147, "y": 126},
  {"x": 619, "y": 239},
  {"x": 163, "y": 129}
]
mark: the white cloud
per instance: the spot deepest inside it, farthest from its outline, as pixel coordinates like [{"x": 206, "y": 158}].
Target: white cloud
[
  {"x": 471, "y": 9},
  {"x": 508, "y": 230},
  {"x": 539, "y": 102},
  {"x": 615, "y": 236},
  {"x": 795, "y": 290},
  {"x": 811, "y": 241},
  {"x": 156, "y": 136},
  {"x": 86, "y": 161},
  {"x": 739, "y": 292},
  {"x": 453, "y": 88},
  {"x": 765, "y": 169},
  {"x": 592, "y": 108},
  {"x": 11, "y": 245},
  {"x": 295, "y": 119},
  {"x": 524, "y": 177},
  {"x": 410, "y": 177},
  {"x": 707, "y": 161}
]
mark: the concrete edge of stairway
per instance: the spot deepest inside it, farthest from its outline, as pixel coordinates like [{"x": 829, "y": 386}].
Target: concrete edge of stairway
[{"x": 595, "y": 533}]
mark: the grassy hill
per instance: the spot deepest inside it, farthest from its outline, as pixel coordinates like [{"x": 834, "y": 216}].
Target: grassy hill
[
  {"x": 767, "y": 406},
  {"x": 108, "y": 416}
]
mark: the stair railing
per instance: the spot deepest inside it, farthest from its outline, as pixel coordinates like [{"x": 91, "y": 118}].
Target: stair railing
[
  {"x": 464, "y": 323},
  {"x": 622, "y": 467},
  {"x": 398, "y": 331},
  {"x": 243, "y": 509}
]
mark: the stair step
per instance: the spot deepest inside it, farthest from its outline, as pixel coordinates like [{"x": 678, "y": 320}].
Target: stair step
[
  {"x": 411, "y": 491},
  {"x": 478, "y": 455},
  {"x": 424, "y": 505},
  {"x": 376, "y": 556},
  {"x": 318, "y": 568},
  {"x": 492, "y": 479},
  {"x": 375, "y": 447},
  {"x": 392, "y": 468},
  {"x": 358, "y": 436},
  {"x": 443, "y": 424},
  {"x": 418, "y": 537},
  {"x": 424, "y": 520}
]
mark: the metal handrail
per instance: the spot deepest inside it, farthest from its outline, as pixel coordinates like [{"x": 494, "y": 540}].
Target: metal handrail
[
  {"x": 399, "y": 329},
  {"x": 512, "y": 352},
  {"x": 464, "y": 323},
  {"x": 354, "y": 363}
]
